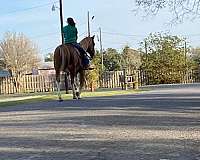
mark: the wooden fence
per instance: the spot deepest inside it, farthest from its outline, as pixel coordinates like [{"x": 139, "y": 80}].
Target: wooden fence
[
  {"x": 112, "y": 79},
  {"x": 115, "y": 79},
  {"x": 191, "y": 76},
  {"x": 41, "y": 83},
  {"x": 28, "y": 84}
]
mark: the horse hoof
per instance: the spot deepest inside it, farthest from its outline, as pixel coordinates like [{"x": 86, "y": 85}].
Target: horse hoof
[
  {"x": 79, "y": 98},
  {"x": 60, "y": 100},
  {"x": 77, "y": 94},
  {"x": 75, "y": 98},
  {"x": 67, "y": 92}
]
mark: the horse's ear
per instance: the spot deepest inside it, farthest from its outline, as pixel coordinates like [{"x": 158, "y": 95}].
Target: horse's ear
[{"x": 93, "y": 37}]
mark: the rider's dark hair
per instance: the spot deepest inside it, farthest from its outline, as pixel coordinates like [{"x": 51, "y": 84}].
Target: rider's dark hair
[{"x": 71, "y": 22}]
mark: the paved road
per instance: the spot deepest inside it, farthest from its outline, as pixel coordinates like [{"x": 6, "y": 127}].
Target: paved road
[{"x": 163, "y": 124}]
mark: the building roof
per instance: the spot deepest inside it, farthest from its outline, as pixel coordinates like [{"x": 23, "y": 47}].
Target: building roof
[
  {"x": 46, "y": 66},
  {"x": 4, "y": 73}
]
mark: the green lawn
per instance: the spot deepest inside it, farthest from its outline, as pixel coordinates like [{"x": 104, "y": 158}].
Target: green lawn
[{"x": 13, "y": 100}]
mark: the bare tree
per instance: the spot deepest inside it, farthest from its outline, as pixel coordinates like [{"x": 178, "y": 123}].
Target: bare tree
[
  {"x": 2, "y": 64},
  {"x": 19, "y": 54},
  {"x": 181, "y": 9}
]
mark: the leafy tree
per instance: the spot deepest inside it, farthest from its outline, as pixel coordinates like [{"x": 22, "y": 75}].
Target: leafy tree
[
  {"x": 131, "y": 58},
  {"x": 49, "y": 57},
  {"x": 97, "y": 60},
  {"x": 180, "y": 9},
  {"x": 19, "y": 53},
  {"x": 166, "y": 61},
  {"x": 195, "y": 55},
  {"x": 112, "y": 60}
]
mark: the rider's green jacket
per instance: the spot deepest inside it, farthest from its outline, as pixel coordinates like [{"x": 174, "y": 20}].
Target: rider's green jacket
[{"x": 70, "y": 34}]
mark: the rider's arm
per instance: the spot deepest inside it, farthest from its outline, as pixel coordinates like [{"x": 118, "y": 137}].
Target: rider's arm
[{"x": 76, "y": 34}]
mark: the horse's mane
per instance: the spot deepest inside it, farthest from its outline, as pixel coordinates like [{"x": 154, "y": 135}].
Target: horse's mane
[{"x": 85, "y": 42}]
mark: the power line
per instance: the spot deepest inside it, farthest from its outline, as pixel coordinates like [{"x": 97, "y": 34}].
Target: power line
[
  {"x": 84, "y": 33},
  {"x": 122, "y": 34},
  {"x": 191, "y": 35},
  {"x": 30, "y": 8},
  {"x": 132, "y": 35},
  {"x": 117, "y": 43},
  {"x": 45, "y": 35},
  {"x": 82, "y": 24}
]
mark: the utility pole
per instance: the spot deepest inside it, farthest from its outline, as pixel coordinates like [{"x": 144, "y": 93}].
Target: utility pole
[
  {"x": 88, "y": 22},
  {"x": 185, "y": 55},
  {"x": 185, "y": 52},
  {"x": 145, "y": 46},
  {"x": 61, "y": 21},
  {"x": 101, "y": 48},
  {"x": 146, "y": 60},
  {"x": 88, "y": 17},
  {"x": 62, "y": 37}
]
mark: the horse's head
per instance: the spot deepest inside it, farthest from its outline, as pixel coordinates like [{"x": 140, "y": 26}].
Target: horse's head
[{"x": 88, "y": 44}]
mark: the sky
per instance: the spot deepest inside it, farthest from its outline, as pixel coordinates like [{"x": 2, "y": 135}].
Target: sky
[{"x": 120, "y": 26}]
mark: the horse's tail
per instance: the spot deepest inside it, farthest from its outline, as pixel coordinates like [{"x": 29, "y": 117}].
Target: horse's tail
[
  {"x": 60, "y": 58},
  {"x": 57, "y": 59},
  {"x": 63, "y": 62}
]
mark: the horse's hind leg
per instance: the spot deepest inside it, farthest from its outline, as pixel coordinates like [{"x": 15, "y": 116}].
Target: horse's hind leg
[
  {"x": 81, "y": 82},
  {"x": 73, "y": 86},
  {"x": 77, "y": 85},
  {"x": 66, "y": 82},
  {"x": 58, "y": 85}
]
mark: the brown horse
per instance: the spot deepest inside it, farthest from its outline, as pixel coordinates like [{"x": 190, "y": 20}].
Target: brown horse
[{"x": 68, "y": 59}]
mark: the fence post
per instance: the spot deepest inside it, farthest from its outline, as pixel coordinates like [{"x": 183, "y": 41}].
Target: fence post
[
  {"x": 136, "y": 80},
  {"x": 125, "y": 80}
]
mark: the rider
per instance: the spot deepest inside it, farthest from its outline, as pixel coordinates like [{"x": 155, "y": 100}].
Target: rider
[{"x": 71, "y": 36}]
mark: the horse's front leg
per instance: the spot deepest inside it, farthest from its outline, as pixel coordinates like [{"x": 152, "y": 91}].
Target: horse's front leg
[{"x": 81, "y": 82}]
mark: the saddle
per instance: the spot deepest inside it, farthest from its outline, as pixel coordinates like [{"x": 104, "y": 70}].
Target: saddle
[
  {"x": 72, "y": 46},
  {"x": 83, "y": 55}
]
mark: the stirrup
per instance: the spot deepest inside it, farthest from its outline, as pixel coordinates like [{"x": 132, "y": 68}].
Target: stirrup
[{"x": 89, "y": 67}]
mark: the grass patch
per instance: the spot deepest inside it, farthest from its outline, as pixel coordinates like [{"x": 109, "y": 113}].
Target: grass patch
[
  {"x": 13, "y": 100},
  {"x": 102, "y": 93}
]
